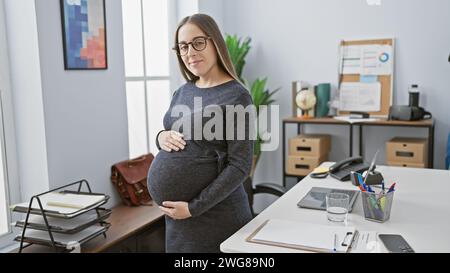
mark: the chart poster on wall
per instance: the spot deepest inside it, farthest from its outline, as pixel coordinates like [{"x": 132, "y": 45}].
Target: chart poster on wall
[{"x": 84, "y": 34}]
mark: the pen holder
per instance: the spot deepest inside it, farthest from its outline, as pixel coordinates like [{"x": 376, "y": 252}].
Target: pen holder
[{"x": 377, "y": 207}]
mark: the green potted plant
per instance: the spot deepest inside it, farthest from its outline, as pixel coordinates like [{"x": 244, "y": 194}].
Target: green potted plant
[{"x": 238, "y": 50}]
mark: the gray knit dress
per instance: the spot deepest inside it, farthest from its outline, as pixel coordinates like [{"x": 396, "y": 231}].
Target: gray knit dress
[{"x": 208, "y": 173}]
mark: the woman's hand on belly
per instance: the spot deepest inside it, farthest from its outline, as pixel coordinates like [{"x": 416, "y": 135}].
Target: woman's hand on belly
[
  {"x": 171, "y": 141},
  {"x": 176, "y": 210}
]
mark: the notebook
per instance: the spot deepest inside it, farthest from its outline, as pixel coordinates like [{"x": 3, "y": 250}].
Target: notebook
[
  {"x": 62, "y": 239},
  {"x": 64, "y": 203},
  {"x": 315, "y": 198},
  {"x": 71, "y": 225},
  {"x": 303, "y": 236}
]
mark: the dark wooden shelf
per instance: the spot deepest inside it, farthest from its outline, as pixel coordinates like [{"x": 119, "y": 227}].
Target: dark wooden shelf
[
  {"x": 380, "y": 122},
  {"x": 125, "y": 222},
  {"x": 314, "y": 120}
]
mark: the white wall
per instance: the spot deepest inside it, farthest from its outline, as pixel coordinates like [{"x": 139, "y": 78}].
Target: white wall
[
  {"x": 186, "y": 8},
  {"x": 85, "y": 111},
  {"x": 298, "y": 40},
  {"x": 214, "y": 8}
]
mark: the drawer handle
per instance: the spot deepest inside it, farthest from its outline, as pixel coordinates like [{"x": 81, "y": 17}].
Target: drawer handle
[
  {"x": 301, "y": 166},
  {"x": 404, "y": 154},
  {"x": 304, "y": 149}
]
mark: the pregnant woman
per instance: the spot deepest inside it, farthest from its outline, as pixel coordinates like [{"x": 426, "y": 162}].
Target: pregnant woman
[{"x": 197, "y": 181}]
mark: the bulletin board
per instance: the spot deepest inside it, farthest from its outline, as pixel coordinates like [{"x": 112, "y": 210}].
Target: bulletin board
[{"x": 386, "y": 81}]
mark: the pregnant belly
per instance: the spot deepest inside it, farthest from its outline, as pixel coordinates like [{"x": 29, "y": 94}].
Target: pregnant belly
[{"x": 172, "y": 177}]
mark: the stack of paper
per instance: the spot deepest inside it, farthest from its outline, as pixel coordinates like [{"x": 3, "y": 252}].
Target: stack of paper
[
  {"x": 355, "y": 120},
  {"x": 60, "y": 238},
  {"x": 71, "y": 225},
  {"x": 64, "y": 203}
]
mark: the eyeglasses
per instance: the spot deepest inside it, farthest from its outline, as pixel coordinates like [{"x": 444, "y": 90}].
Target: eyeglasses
[{"x": 199, "y": 44}]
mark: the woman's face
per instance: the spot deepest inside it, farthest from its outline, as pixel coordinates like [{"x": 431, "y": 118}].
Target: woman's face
[{"x": 198, "y": 62}]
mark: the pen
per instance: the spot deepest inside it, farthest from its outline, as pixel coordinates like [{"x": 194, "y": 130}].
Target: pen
[
  {"x": 376, "y": 209},
  {"x": 335, "y": 242},
  {"x": 373, "y": 201},
  {"x": 391, "y": 188},
  {"x": 382, "y": 186},
  {"x": 361, "y": 181},
  {"x": 372, "y": 164},
  {"x": 382, "y": 203}
]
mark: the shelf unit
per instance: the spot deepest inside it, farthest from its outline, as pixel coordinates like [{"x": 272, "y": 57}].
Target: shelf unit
[{"x": 428, "y": 124}]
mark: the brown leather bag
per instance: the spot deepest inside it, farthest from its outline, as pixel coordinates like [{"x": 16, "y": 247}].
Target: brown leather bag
[{"x": 130, "y": 179}]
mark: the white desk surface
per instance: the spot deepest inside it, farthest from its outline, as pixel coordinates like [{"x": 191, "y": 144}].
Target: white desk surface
[{"x": 420, "y": 212}]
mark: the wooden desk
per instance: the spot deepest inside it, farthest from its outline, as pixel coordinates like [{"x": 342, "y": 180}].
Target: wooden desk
[
  {"x": 125, "y": 223},
  {"x": 419, "y": 212},
  {"x": 427, "y": 124}
]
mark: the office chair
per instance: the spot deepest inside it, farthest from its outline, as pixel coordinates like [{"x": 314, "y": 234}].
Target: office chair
[{"x": 269, "y": 188}]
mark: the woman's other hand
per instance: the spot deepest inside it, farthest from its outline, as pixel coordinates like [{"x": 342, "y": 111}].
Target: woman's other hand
[
  {"x": 176, "y": 210},
  {"x": 171, "y": 141}
]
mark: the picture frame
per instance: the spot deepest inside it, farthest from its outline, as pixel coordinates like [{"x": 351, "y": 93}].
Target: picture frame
[{"x": 84, "y": 34}]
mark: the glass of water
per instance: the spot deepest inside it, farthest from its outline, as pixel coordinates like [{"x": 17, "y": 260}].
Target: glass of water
[{"x": 337, "y": 207}]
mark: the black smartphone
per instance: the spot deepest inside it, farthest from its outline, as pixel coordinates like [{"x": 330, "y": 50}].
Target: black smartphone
[{"x": 395, "y": 243}]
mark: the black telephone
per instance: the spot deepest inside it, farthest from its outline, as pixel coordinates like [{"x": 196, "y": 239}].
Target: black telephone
[{"x": 341, "y": 170}]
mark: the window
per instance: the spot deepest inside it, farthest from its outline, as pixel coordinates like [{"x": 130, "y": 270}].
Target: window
[
  {"x": 146, "y": 49},
  {"x": 9, "y": 182},
  {"x": 4, "y": 218}
]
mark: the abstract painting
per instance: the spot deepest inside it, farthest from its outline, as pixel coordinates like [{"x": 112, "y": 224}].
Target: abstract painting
[{"x": 84, "y": 34}]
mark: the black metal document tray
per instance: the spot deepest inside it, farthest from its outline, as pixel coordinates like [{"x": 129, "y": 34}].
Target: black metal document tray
[{"x": 68, "y": 226}]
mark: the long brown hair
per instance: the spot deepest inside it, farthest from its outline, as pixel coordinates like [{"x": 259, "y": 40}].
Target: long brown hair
[{"x": 207, "y": 24}]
